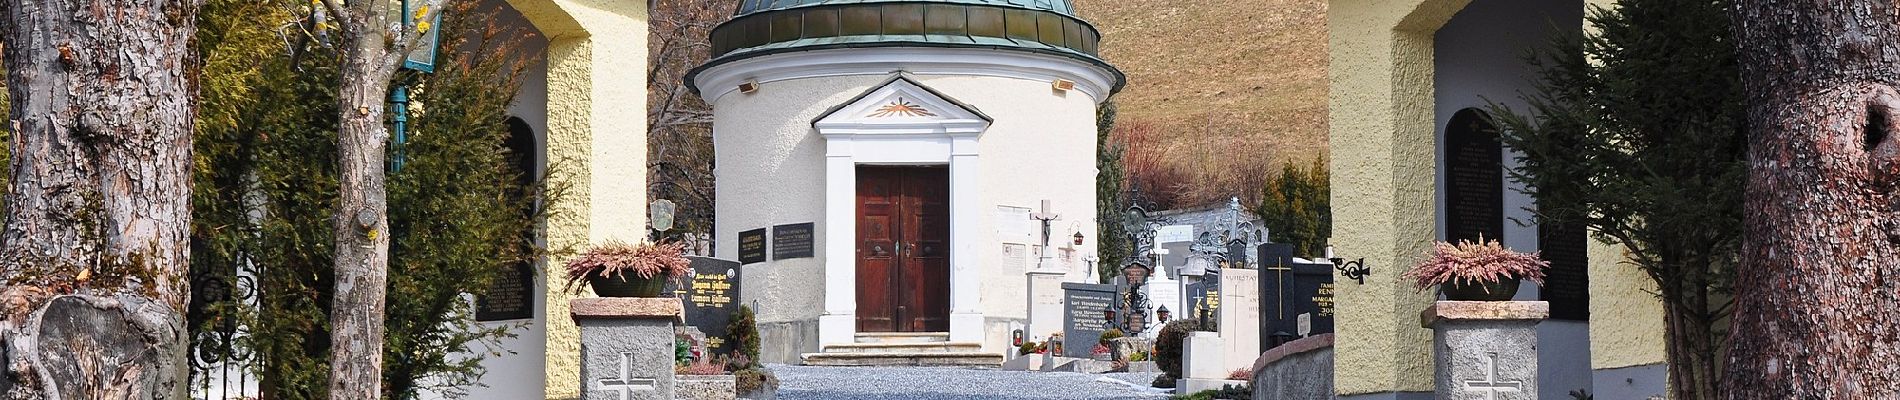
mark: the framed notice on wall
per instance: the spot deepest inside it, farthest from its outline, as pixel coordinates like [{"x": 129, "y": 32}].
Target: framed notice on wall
[{"x": 752, "y": 246}]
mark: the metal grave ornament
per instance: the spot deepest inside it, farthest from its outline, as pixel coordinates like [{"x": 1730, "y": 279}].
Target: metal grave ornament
[{"x": 661, "y": 213}]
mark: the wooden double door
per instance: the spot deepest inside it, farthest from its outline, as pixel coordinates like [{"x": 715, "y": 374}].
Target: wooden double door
[{"x": 903, "y": 249}]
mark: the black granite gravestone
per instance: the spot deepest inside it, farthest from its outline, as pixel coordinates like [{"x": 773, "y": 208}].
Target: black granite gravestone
[
  {"x": 710, "y": 297},
  {"x": 1296, "y": 298},
  {"x": 1085, "y": 317},
  {"x": 752, "y": 246},
  {"x": 1567, "y": 282},
  {"x": 792, "y": 241},
  {"x": 510, "y": 296},
  {"x": 1204, "y": 298},
  {"x": 1474, "y": 178}
]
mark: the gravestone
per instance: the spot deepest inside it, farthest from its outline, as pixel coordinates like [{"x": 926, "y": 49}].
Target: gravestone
[
  {"x": 752, "y": 246},
  {"x": 792, "y": 241},
  {"x": 1296, "y": 297},
  {"x": 1086, "y": 316},
  {"x": 709, "y": 297},
  {"x": 1485, "y": 349},
  {"x": 1474, "y": 178},
  {"x": 1567, "y": 282},
  {"x": 1204, "y": 298},
  {"x": 510, "y": 296}
]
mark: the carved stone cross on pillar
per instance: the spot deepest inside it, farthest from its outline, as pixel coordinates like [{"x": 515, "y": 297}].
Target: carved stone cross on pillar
[
  {"x": 1491, "y": 385},
  {"x": 625, "y": 383}
]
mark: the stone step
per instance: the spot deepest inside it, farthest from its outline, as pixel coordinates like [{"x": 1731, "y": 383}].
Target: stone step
[
  {"x": 903, "y": 337},
  {"x": 900, "y": 347},
  {"x": 921, "y": 359}
]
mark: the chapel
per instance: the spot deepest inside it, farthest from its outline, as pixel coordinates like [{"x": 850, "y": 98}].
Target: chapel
[{"x": 881, "y": 164}]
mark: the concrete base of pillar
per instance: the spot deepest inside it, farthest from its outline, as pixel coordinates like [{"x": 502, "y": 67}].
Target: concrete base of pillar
[
  {"x": 626, "y": 347},
  {"x": 1485, "y": 349}
]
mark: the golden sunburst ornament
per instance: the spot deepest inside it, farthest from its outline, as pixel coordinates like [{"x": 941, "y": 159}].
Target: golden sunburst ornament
[{"x": 902, "y": 108}]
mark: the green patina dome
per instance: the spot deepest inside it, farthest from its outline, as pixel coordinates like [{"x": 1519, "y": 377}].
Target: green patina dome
[{"x": 765, "y": 27}]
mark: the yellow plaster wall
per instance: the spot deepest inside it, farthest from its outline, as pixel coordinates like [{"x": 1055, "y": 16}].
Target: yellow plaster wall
[
  {"x": 597, "y": 55},
  {"x": 1380, "y": 116}
]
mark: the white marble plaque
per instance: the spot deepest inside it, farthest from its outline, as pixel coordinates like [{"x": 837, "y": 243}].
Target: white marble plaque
[
  {"x": 1174, "y": 233},
  {"x": 1013, "y": 225}
]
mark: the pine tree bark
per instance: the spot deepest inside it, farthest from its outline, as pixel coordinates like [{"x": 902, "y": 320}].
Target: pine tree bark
[
  {"x": 95, "y": 250},
  {"x": 1817, "y": 301}
]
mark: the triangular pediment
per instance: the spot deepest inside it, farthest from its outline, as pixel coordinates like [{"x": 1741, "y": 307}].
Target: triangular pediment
[{"x": 901, "y": 103}]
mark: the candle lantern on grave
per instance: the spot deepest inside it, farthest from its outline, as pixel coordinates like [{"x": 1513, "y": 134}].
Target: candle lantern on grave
[{"x": 1162, "y": 314}]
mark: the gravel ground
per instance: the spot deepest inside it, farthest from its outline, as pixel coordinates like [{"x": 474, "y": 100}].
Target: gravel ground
[{"x": 865, "y": 383}]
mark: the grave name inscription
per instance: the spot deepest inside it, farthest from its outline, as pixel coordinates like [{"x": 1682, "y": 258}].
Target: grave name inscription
[
  {"x": 1085, "y": 317},
  {"x": 709, "y": 297}
]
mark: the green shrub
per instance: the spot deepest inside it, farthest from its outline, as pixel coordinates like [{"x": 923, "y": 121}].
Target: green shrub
[
  {"x": 752, "y": 380},
  {"x": 1111, "y": 334},
  {"x": 742, "y": 334},
  {"x": 1028, "y": 348},
  {"x": 1169, "y": 343}
]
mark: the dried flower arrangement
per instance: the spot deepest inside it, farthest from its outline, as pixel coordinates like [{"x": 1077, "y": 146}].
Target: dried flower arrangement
[
  {"x": 617, "y": 260},
  {"x": 1476, "y": 264}
]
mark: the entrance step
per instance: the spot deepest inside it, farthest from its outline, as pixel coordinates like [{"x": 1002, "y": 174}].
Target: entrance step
[
  {"x": 904, "y": 347},
  {"x": 897, "y": 359},
  {"x": 903, "y": 337}
]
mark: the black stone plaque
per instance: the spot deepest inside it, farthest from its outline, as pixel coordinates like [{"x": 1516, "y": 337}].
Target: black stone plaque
[
  {"x": 1474, "y": 178},
  {"x": 711, "y": 297},
  {"x": 792, "y": 241},
  {"x": 1294, "y": 294},
  {"x": 1085, "y": 317},
  {"x": 1204, "y": 298},
  {"x": 752, "y": 246},
  {"x": 1567, "y": 282},
  {"x": 1237, "y": 254},
  {"x": 511, "y": 296}
]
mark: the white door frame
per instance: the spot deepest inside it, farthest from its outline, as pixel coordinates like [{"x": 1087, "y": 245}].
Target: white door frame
[{"x": 857, "y": 134}]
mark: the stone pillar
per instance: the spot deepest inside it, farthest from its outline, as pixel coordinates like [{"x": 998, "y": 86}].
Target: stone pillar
[
  {"x": 1485, "y": 349},
  {"x": 626, "y": 347},
  {"x": 1045, "y": 303}
]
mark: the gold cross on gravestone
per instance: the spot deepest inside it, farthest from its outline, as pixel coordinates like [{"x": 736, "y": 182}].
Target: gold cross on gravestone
[
  {"x": 1491, "y": 385},
  {"x": 1279, "y": 274},
  {"x": 625, "y": 383}
]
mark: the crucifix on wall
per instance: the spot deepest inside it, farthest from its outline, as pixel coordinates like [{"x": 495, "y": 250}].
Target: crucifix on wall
[{"x": 1045, "y": 215}]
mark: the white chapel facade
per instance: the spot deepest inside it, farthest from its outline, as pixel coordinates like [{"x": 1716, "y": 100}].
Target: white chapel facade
[{"x": 878, "y": 163}]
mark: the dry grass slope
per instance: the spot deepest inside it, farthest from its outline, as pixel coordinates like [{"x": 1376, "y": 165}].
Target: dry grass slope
[{"x": 1233, "y": 87}]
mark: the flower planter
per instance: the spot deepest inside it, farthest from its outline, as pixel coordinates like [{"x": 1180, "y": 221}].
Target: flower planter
[
  {"x": 626, "y": 285},
  {"x": 1501, "y": 290}
]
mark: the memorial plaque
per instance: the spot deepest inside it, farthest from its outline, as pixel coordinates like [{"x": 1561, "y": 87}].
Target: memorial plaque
[
  {"x": 1567, "y": 282},
  {"x": 792, "y": 241},
  {"x": 1296, "y": 300},
  {"x": 752, "y": 246},
  {"x": 1474, "y": 178},
  {"x": 710, "y": 298},
  {"x": 511, "y": 296},
  {"x": 1204, "y": 298},
  {"x": 1085, "y": 317}
]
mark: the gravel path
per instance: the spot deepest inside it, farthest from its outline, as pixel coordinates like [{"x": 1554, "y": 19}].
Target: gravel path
[{"x": 865, "y": 383}]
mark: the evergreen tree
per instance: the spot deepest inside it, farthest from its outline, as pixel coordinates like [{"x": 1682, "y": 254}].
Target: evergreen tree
[
  {"x": 1111, "y": 243},
  {"x": 1296, "y": 207},
  {"x": 1637, "y": 132},
  {"x": 267, "y": 185}
]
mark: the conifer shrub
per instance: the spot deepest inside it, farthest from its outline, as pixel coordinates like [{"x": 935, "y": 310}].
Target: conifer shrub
[
  {"x": 1169, "y": 344},
  {"x": 742, "y": 334}
]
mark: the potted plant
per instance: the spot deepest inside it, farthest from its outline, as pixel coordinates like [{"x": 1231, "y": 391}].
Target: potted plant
[
  {"x": 1480, "y": 271},
  {"x": 617, "y": 269}
]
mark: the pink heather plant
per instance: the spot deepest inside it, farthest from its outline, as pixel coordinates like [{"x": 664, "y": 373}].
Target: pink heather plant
[
  {"x": 614, "y": 259},
  {"x": 1468, "y": 263}
]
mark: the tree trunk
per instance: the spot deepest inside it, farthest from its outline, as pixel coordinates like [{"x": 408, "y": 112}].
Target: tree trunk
[
  {"x": 1690, "y": 336},
  {"x": 361, "y": 222},
  {"x": 1815, "y": 308},
  {"x": 99, "y": 203}
]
